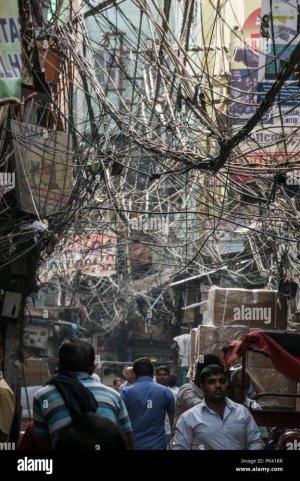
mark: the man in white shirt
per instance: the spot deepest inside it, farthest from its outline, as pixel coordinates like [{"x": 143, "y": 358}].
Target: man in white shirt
[
  {"x": 163, "y": 377},
  {"x": 190, "y": 393},
  {"x": 129, "y": 378},
  {"x": 216, "y": 423}
]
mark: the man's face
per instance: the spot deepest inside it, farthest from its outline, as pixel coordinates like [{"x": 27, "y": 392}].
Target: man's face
[
  {"x": 129, "y": 375},
  {"x": 162, "y": 377},
  {"x": 214, "y": 388},
  {"x": 118, "y": 384}
]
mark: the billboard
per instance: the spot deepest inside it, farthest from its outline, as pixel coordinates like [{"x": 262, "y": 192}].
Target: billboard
[
  {"x": 44, "y": 168},
  {"x": 244, "y": 66},
  {"x": 10, "y": 52},
  {"x": 269, "y": 33},
  {"x": 280, "y": 30},
  {"x": 35, "y": 336},
  {"x": 94, "y": 256},
  {"x": 267, "y": 38}
]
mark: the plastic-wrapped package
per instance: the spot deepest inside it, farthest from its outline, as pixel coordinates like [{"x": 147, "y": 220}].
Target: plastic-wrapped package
[
  {"x": 258, "y": 308},
  {"x": 212, "y": 339},
  {"x": 192, "y": 353},
  {"x": 257, "y": 359},
  {"x": 273, "y": 381}
]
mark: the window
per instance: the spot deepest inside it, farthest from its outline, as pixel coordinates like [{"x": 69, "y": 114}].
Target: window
[{"x": 112, "y": 67}]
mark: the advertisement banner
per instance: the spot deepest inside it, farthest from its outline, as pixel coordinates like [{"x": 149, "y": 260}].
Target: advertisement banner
[
  {"x": 10, "y": 52},
  {"x": 267, "y": 33},
  {"x": 93, "y": 256},
  {"x": 263, "y": 45},
  {"x": 244, "y": 66},
  {"x": 44, "y": 168},
  {"x": 35, "y": 336},
  {"x": 280, "y": 27}
]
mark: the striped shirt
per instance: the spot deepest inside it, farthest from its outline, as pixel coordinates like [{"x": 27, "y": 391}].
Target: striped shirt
[{"x": 51, "y": 415}]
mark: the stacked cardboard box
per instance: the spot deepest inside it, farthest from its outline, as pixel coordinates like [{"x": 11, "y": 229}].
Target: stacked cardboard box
[
  {"x": 211, "y": 339},
  {"x": 262, "y": 368},
  {"x": 259, "y": 360},
  {"x": 259, "y": 308},
  {"x": 192, "y": 352},
  {"x": 234, "y": 312},
  {"x": 274, "y": 381}
]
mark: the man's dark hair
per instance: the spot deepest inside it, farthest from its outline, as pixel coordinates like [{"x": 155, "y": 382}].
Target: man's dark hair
[
  {"x": 92, "y": 432},
  {"x": 116, "y": 380},
  {"x": 143, "y": 367},
  {"x": 172, "y": 381},
  {"x": 211, "y": 370},
  {"x": 76, "y": 355},
  {"x": 162, "y": 368},
  {"x": 203, "y": 362},
  {"x": 207, "y": 360}
]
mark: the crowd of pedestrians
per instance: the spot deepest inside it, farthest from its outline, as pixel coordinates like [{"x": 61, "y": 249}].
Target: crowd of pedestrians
[{"x": 143, "y": 410}]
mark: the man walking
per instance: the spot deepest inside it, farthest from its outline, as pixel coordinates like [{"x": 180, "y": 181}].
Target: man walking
[
  {"x": 73, "y": 392},
  {"x": 217, "y": 422},
  {"x": 129, "y": 378},
  {"x": 147, "y": 404},
  {"x": 163, "y": 377}
]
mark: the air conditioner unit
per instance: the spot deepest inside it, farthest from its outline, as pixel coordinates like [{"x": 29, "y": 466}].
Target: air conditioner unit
[{"x": 12, "y": 305}]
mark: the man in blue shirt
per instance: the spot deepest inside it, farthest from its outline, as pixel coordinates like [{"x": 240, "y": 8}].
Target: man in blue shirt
[{"x": 147, "y": 403}]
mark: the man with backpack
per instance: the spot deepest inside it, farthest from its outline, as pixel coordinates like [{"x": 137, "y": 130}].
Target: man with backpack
[{"x": 73, "y": 392}]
